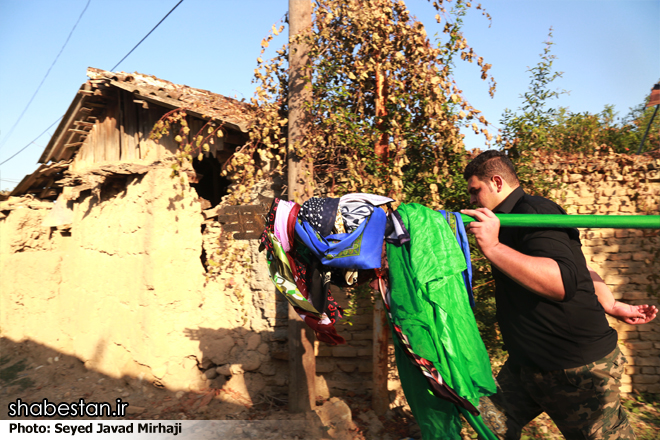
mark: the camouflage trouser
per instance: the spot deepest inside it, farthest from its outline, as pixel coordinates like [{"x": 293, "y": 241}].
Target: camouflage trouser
[{"x": 583, "y": 402}]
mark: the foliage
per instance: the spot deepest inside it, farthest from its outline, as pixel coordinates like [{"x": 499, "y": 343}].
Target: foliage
[
  {"x": 644, "y": 414},
  {"x": 536, "y": 127},
  {"x": 385, "y": 111},
  {"x": 383, "y": 118},
  {"x": 529, "y": 130},
  {"x": 637, "y": 122},
  {"x": 188, "y": 146}
]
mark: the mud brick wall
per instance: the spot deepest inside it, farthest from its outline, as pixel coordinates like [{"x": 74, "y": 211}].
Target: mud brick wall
[{"x": 627, "y": 259}]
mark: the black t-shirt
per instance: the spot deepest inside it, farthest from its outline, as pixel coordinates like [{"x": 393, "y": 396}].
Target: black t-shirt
[{"x": 541, "y": 332}]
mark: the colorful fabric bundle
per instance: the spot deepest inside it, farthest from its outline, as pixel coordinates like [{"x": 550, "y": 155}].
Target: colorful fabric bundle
[
  {"x": 296, "y": 276},
  {"x": 360, "y": 249}
]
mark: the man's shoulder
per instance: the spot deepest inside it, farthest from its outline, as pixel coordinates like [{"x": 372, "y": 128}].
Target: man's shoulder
[{"x": 529, "y": 204}]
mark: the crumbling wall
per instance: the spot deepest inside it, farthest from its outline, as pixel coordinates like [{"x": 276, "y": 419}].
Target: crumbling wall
[
  {"x": 627, "y": 259},
  {"x": 123, "y": 288}
]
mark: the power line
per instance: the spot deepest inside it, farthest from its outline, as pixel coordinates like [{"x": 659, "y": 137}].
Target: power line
[
  {"x": 21, "y": 150},
  {"x": 46, "y": 76},
  {"x": 145, "y": 37},
  {"x": 131, "y": 51}
]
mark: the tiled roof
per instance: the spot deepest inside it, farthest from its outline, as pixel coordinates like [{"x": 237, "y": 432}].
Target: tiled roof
[{"x": 199, "y": 101}]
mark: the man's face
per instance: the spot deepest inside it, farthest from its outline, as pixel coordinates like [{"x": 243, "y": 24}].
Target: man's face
[{"x": 483, "y": 194}]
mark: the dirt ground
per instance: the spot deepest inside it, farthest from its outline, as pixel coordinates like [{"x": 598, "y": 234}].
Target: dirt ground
[{"x": 32, "y": 373}]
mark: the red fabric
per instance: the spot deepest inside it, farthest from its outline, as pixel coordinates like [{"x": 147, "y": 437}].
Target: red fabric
[{"x": 324, "y": 332}]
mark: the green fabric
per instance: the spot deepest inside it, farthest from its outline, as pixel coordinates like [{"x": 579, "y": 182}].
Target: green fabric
[
  {"x": 576, "y": 221},
  {"x": 430, "y": 304}
]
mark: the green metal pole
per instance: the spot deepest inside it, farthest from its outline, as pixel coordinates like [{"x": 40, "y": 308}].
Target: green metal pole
[{"x": 576, "y": 221}]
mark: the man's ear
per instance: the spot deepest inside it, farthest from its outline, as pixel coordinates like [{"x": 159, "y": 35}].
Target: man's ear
[{"x": 498, "y": 182}]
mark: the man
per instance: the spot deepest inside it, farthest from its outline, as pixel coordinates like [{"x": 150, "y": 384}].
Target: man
[{"x": 563, "y": 355}]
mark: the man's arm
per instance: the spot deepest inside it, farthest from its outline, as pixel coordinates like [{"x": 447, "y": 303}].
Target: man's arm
[
  {"x": 539, "y": 275},
  {"x": 628, "y": 313}
]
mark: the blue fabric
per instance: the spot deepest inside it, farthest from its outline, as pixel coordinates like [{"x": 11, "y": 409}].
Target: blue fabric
[
  {"x": 361, "y": 249},
  {"x": 464, "y": 244}
]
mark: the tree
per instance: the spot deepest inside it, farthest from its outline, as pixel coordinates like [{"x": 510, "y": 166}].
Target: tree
[
  {"x": 535, "y": 127},
  {"x": 530, "y": 129},
  {"x": 385, "y": 109}
]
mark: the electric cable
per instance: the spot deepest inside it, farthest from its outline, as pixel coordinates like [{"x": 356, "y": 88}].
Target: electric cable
[
  {"x": 42, "y": 133},
  {"x": 145, "y": 37},
  {"x": 126, "y": 56},
  {"x": 45, "y": 76}
]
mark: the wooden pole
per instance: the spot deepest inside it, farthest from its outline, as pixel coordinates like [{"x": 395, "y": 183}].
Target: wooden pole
[
  {"x": 302, "y": 363},
  {"x": 380, "y": 399}
]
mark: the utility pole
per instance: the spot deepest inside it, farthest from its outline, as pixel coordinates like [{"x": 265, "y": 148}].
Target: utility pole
[{"x": 302, "y": 362}]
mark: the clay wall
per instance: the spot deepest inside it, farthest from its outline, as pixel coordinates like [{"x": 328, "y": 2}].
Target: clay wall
[{"x": 122, "y": 288}]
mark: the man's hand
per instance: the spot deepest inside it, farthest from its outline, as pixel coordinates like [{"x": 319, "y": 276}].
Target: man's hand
[
  {"x": 486, "y": 229},
  {"x": 633, "y": 314},
  {"x": 539, "y": 275}
]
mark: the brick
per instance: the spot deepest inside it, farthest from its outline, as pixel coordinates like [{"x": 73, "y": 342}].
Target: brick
[
  {"x": 634, "y": 268},
  {"x": 324, "y": 350},
  {"x": 627, "y": 335},
  {"x": 615, "y": 280},
  {"x": 640, "y": 279},
  {"x": 654, "y": 389},
  {"x": 640, "y": 256},
  {"x": 649, "y": 370},
  {"x": 648, "y": 361},
  {"x": 626, "y": 379},
  {"x": 632, "y": 296},
  {"x": 363, "y": 319},
  {"x": 365, "y": 351},
  {"x": 627, "y": 352},
  {"x": 363, "y": 336},
  {"x": 639, "y": 345},
  {"x": 347, "y": 367},
  {"x": 649, "y": 336},
  {"x": 344, "y": 351},
  {"x": 625, "y": 389},
  {"x": 365, "y": 366},
  {"x": 628, "y": 369},
  {"x": 620, "y": 256},
  {"x": 599, "y": 258},
  {"x": 325, "y": 365},
  {"x": 646, "y": 378}
]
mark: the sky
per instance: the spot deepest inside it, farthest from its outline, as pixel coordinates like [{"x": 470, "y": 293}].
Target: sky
[{"x": 609, "y": 51}]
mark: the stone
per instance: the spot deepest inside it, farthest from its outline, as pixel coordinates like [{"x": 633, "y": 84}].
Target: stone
[
  {"x": 374, "y": 424},
  {"x": 336, "y": 416},
  {"x": 217, "y": 350},
  {"x": 250, "y": 361},
  {"x": 229, "y": 370},
  {"x": 253, "y": 342},
  {"x": 211, "y": 374},
  {"x": 263, "y": 348}
]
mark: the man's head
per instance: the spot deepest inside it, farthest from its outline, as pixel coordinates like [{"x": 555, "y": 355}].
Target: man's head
[{"x": 491, "y": 177}]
